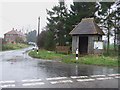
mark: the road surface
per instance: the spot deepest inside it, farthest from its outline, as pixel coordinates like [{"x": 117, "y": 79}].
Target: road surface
[{"x": 18, "y": 70}]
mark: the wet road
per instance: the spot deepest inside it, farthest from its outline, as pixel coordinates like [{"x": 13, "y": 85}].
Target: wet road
[{"x": 20, "y": 70}]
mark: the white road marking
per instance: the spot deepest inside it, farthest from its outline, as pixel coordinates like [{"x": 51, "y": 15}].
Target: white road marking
[
  {"x": 29, "y": 82},
  {"x": 7, "y": 82},
  {"x": 33, "y": 84},
  {"x": 9, "y": 85},
  {"x": 61, "y": 81},
  {"x": 104, "y": 78},
  {"x": 97, "y": 75},
  {"x": 74, "y": 77},
  {"x": 117, "y": 77},
  {"x": 113, "y": 74},
  {"x": 56, "y": 78},
  {"x": 82, "y": 80},
  {"x": 32, "y": 80}
]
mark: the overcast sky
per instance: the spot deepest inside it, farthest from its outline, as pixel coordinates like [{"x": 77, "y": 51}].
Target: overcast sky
[{"x": 23, "y": 14}]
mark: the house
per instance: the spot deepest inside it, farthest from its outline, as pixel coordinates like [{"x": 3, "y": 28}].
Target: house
[
  {"x": 87, "y": 37},
  {"x": 14, "y": 36},
  {"x": 1, "y": 40}
]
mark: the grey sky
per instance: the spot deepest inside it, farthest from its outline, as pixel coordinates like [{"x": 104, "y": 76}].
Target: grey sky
[{"x": 23, "y": 14}]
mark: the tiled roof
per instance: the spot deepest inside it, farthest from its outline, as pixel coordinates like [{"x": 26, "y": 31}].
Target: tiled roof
[
  {"x": 87, "y": 26},
  {"x": 14, "y": 32}
]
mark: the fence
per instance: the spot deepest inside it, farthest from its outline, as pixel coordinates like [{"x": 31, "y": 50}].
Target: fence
[{"x": 63, "y": 49}]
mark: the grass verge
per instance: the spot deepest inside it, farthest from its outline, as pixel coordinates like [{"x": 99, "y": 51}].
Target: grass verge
[
  {"x": 70, "y": 58},
  {"x": 11, "y": 46}
]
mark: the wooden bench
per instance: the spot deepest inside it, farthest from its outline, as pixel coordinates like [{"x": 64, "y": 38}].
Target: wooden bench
[{"x": 63, "y": 49}]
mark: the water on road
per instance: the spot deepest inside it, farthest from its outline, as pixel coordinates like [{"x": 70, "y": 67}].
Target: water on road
[{"x": 17, "y": 65}]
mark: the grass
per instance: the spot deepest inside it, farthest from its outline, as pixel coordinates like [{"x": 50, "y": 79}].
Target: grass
[
  {"x": 43, "y": 54},
  {"x": 95, "y": 60},
  {"x": 11, "y": 46},
  {"x": 70, "y": 58}
]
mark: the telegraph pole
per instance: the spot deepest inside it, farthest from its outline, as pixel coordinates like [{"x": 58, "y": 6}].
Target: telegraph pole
[
  {"x": 38, "y": 26},
  {"x": 38, "y": 33}
]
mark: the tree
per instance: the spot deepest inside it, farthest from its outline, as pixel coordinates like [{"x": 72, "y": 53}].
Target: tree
[
  {"x": 49, "y": 41},
  {"x": 81, "y": 10},
  {"x": 19, "y": 40},
  {"x": 115, "y": 24},
  {"x": 104, "y": 18},
  {"x": 41, "y": 39},
  {"x": 56, "y": 23},
  {"x": 46, "y": 40},
  {"x": 31, "y": 36},
  {"x": 118, "y": 29}
]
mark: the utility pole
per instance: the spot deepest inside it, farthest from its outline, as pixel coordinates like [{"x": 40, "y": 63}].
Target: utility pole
[
  {"x": 38, "y": 30},
  {"x": 38, "y": 26}
]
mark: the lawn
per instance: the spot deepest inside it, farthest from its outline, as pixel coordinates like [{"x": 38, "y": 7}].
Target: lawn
[
  {"x": 70, "y": 58},
  {"x": 11, "y": 46}
]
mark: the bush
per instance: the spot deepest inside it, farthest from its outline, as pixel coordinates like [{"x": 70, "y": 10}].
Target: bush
[
  {"x": 11, "y": 46},
  {"x": 46, "y": 40}
]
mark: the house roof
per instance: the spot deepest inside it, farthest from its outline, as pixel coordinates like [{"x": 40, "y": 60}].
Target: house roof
[
  {"x": 87, "y": 26},
  {"x": 14, "y": 32}
]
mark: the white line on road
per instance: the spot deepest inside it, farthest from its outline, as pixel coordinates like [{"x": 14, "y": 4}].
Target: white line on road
[
  {"x": 74, "y": 77},
  {"x": 104, "y": 78},
  {"x": 117, "y": 77},
  {"x": 82, "y": 80},
  {"x": 7, "y": 82},
  {"x": 9, "y": 85},
  {"x": 61, "y": 81},
  {"x": 113, "y": 74},
  {"x": 56, "y": 78},
  {"x": 33, "y": 84},
  {"x": 32, "y": 80},
  {"x": 97, "y": 75}
]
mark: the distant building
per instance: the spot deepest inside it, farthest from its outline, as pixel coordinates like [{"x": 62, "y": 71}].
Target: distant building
[
  {"x": 1, "y": 40},
  {"x": 87, "y": 37},
  {"x": 14, "y": 36}
]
